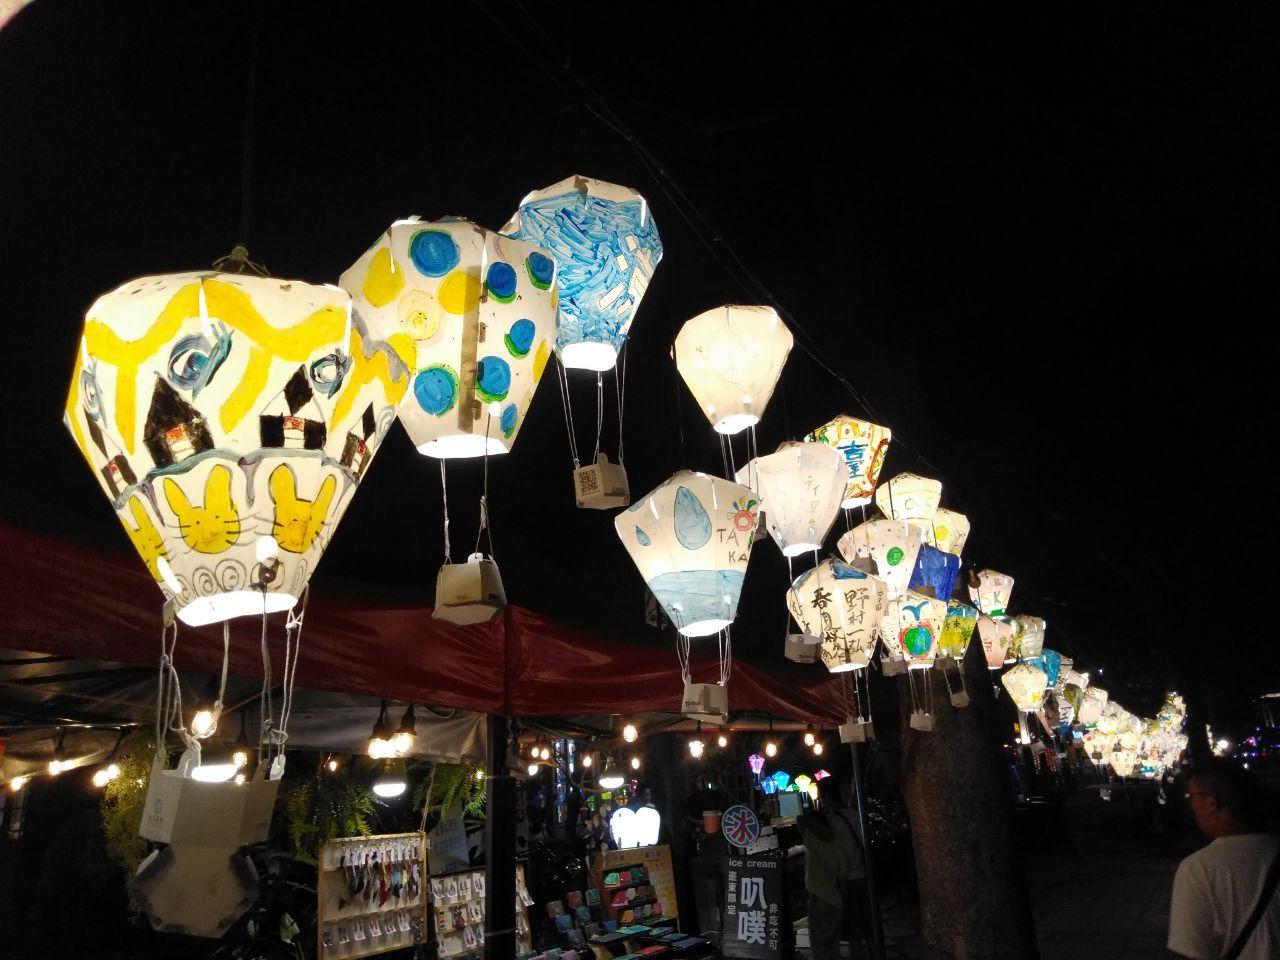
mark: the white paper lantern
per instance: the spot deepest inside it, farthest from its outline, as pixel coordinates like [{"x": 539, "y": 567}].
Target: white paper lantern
[
  {"x": 893, "y": 545},
  {"x": 229, "y": 419},
  {"x": 864, "y": 446},
  {"x": 996, "y": 636},
  {"x": 1095, "y": 699},
  {"x": 911, "y": 628},
  {"x": 957, "y": 630},
  {"x": 730, "y": 359},
  {"x": 991, "y": 591},
  {"x": 691, "y": 538},
  {"x": 475, "y": 313},
  {"x": 949, "y": 531},
  {"x": 1029, "y": 636},
  {"x": 1026, "y": 687},
  {"x": 842, "y": 606},
  {"x": 803, "y": 484},
  {"x": 606, "y": 247},
  {"x": 910, "y": 497}
]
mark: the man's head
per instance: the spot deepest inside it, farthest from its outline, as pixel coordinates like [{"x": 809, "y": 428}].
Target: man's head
[
  {"x": 1223, "y": 798},
  {"x": 829, "y": 794}
]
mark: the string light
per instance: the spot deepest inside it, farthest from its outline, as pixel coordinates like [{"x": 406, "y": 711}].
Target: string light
[
  {"x": 770, "y": 748},
  {"x": 406, "y": 733},
  {"x": 630, "y": 733},
  {"x": 808, "y": 736},
  {"x": 611, "y": 777},
  {"x": 635, "y": 763},
  {"x": 696, "y": 746},
  {"x": 379, "y": 747},
  {"x": 17, "y": 783},
  {"x": 817, "y": 749},
  {"x": 587, "y": 761},
  {"x": 722, "y": 740}
]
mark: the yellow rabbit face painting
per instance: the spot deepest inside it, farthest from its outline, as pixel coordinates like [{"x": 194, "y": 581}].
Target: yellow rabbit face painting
[{"x": 229, "y": 420}]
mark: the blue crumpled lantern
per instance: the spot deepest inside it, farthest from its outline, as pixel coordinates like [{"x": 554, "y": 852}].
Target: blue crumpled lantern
[
  {"x": 606, "y": 247},
  {"x": 937, "y": 571}
]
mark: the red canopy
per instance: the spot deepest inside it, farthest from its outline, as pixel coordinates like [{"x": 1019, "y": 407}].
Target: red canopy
[{"x": 67, "y": 598}]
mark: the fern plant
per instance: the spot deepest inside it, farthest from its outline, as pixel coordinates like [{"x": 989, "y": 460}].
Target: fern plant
[
  {"x": 321, "y": 808},
  {"x": 125, "y": 798},
  {"x": 450, "y": 785}
]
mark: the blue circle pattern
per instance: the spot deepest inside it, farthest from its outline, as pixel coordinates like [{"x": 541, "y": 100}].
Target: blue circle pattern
[
  {"x": 434, "y": 252},
  {"x": 493, "y": 376},
  {"x": 510, "y": 416},
  {"x": 520, "y": 337},
  {"x": 435, "y": 391},
  {"x": 541, "y": 269},
  {"x": 501, "y": 280}
]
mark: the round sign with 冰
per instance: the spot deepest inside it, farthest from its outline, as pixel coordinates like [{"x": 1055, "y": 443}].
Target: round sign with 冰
[{"x": 740, "y": 826}]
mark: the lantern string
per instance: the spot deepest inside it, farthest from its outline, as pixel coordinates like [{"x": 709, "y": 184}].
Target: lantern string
[
  {"x": 566, "y": 406},
  {"x": 169, "y": 688},
  {"x": 266, "y": 710},
  {"x": 444, "y": 493},
  {"x": 292, "y": 650},
  {"x": 620, "y": 384},
  {"x": 675, "y": 382},
  {"x": 599, "y": 413},
  {"x": 485, "y": 529}
]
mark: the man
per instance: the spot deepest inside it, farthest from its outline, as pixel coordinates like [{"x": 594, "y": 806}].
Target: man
[
  {"x": 845, "y": 828},
  {"x": 1218, "y": 890},
  {"x": 832, "y": 856}
]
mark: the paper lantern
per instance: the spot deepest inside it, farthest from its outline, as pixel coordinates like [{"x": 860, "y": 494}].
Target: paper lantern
[
  {"x": 911, "y": 627},
  {"x": 1026, "y": 687},
  {"x": 910, "y": 497},
  {"x": 1095, "y": 699},
  {"x": 990, "y": 591},
  {"x": 935, "y": 573},
  {"x": 864, "y": 446},
  {"x": 730, "y": 359},
  {"x": 229, "y": 420},
  {"x": 892, "y": 544},
  {"x": 1051, "y": 664},
  {"x": 691, "y": 538},
  {"x": 843, "y": 606},
  {"x": 1028, "y": 636},
  {"x": 756, "y": 762},
  {"x": 606, "y": 247},
  {"x": 781, "y": 779},
  {"x": 474, "y": 314},
  {"x": 950, "y": 531},
  {"x": 995, "y": 636},
  {"x": 957, "y": 631},
  {"x": 803, "y": 484}
]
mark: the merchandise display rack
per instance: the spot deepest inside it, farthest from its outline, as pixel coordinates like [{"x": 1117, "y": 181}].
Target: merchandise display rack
[
  {"x": 458, "y": 901},
  {"x": 371, "y": 895}
]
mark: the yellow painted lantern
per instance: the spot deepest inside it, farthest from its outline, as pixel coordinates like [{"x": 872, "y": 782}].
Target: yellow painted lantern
[{"x": 864, "y": 446}]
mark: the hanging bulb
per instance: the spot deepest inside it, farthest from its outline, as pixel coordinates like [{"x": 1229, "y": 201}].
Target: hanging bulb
[
  {"x": 379, "y": 746},
  {"x": 101, "y": 777},
  {"x": 59, "y": 761},
  {"x": 479, "y": 774},
  {"x": 332, "y": 765},
  {"x": 696, "y": 746},
  {"x": 240, "y": 757},
  {"x": 406, "y": 733},
  {"x": 392, "y": 780},
  {"x": 817, "y": 749},
  {"x": 611, "y": 777},
  {"x": 630, "y": 733},
  {"x": 546, "y": 752},
  {"x": 17, "y": 783},
  {"x": 635, "y": 763},
  {"x": 113, "y": 771},
  {"x": 770, "y": 749},
  {"x": 808, "y": 736},
  {"x": 532, "y": 769},
  {"x": 203, "y": 723},
  {"x": 587, "y": 761},
  {"x": 723, "y": 740}
]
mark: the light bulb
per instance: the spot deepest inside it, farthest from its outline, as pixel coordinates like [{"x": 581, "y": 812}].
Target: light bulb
[
  {"x": 722, "y": 740},
  {"x": 55, "y": 767},
  {"x": 630, "y": 733},
  {"x": 265, "y": 549},
  {"x": 389, "y": 790},
  {"x": 214, "y": 772},
  {"x": 695, "y": 748},
  {"x": 379, "y": 749},
  {"x": 240, "y": 758},
  {"x": 817, "y": 749},
  {"x": 479, "y": 773},
  {"x": 113, "y": 771},
  {"x": 770, "y": 749},
  {"x": 392, "y": 781},
  {"x": 546, "y": 753},
  {"x": 635, "y": 763},
  {"x": 586, "y": 761},
  {"x": 402, "y": 743},
  {"x": 203, "y": 724},
  {"x": 100, "y": 777},
  {"x": 17, "y": 783},
  {"x": 333, "y": 765},
  {"x": 533, "y": 769},
  {"x": 240, "y": 779},
  {"x": 808, "y": 738}
]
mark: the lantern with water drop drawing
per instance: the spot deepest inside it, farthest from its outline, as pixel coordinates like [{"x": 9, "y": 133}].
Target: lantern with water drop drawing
[
  {"x": 911, "y": 627},
  {"x": 842, "y": 606},
  {"x": 478, "y": 312},
  {"x": 990, "y": 590},
  {"x": 892, "y": 545},
  {"x": 995, "y": 635},
  {"x": 730, "y": 359},
  {"x": 864, "y": 446},
  {"x": 606, "y": 246},
  {"x": 949, "y": 531},
  {"x": 691, "y": 538},
  {"x": 229, "y": 419},
  {"x": 803, "y": 484},
  {"x": 910, "y": 497}
]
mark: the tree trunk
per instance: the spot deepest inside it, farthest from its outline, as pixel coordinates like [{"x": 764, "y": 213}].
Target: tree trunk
[{"x": 974, "y": 903}]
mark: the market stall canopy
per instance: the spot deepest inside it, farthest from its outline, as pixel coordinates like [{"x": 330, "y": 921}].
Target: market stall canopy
[{"x": 96, "y": 605}]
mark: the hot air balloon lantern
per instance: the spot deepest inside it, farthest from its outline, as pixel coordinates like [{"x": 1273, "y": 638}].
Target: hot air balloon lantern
[
  {"x": 864, "y": 446},
  {"x": 842, "y": 606},
  {"x": 957, "y": 633},
  {"x": 996, "y": 636},
  {"x": 935, "y": 573},
  {"x": 1028, "y": 636},
  {"x": 910, "y": 630},
  {"x": 730, "y": 359},
  {"x": 990, "y": 590},
  {"x": 910, "y": 497},
  {"x": 229, "y": 419},
  {"x": 803, "y": 484},
  {"x": 691, "y": 538},
  {"x": 606, "y": 247},
  {"x": 949, "y": 531},
  {"x": 1025, "y": 685},
  {"x": 473, "y": 314},
  {"x": 893, "y": 545}
]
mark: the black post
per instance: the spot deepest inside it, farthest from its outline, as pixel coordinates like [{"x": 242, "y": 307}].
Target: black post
[
  {"x": 877, "y": 927},
  {"x": 499, "y": 850}
]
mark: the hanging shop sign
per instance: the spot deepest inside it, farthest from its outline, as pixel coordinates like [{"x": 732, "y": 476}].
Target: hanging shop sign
[
  {"x": 739, "y": 824},
  {"x": 752, "y": 918}
]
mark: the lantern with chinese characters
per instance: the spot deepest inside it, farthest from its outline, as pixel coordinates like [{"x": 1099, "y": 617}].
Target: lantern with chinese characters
[
  {"x": 864, "y": 446},
  {"x": 229, "y": 419},
  {"x": 803, "y": 484},
  {"x": 892, "y": 545},
  {"x": 949, "y": 531},
  {"x": 691, "y": 538},
  {"x": 842, "y": 606},
  {"x": 606, "y": 247},
  {"x": 996, "y": 635},
  {"x": 990, "y": 591},
  {"x": 911, "y": 627},
  {"x": 730, "y": 359},
  {"x": 911, "y": 498},
  {"x": 474, "y": 312},
  {"x": 957, "y": 631}
]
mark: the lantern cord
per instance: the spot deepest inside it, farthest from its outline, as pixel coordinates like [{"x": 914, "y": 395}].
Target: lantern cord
[
  {"x": 566, "y": 406},
  {"x": 444, "y": 493},
  {"x": 620, "y": 384},
  {"x": 599, "y": 413},
  {"x": 724, "y": 456},
  {"x": 754, "y": 452},
  {"x": 485, "y": 530},
  {"x": 169, "y": 690},
  {"x": 682, "y": 654},
  {"x": 292, "y": 648},
  {"x": 266, "y": 709}
]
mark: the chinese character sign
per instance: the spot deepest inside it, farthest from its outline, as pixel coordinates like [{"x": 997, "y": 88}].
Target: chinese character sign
[
  {"x": 842, "y": 606},
  {"x": 740, "y": 826},
  {"x": 753, "y": 919},
  {"x": 864, "y": 446}
]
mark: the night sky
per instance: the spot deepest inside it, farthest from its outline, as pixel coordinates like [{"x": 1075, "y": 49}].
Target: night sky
[{"x": 1042, "y": 250}]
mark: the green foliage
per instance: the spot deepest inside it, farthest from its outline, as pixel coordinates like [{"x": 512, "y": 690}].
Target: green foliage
[
  {"x": 125, "y": 798},
  {"x": 450, "y": 785},
  {"x": 323, "y": 807}
]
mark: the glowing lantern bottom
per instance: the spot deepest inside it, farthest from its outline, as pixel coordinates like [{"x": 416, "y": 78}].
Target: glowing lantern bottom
[
  {"x": 702, "y": 602},
  {"x": 469, "y": 592}
]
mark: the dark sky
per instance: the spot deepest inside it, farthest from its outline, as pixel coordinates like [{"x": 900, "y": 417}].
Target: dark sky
[{"x": 1042, "y": 248}]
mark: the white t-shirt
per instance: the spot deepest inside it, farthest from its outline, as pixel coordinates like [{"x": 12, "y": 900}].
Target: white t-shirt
[{"x": 1214, "y": 892}]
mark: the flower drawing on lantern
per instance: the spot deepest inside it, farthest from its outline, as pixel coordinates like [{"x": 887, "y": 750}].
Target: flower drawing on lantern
[{"x": 743, "y": 516}]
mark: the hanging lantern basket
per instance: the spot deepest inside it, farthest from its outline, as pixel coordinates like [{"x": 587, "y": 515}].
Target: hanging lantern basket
[
  {"x": 707, "y": 702},
  {"x": 601, "y": 485},
  {"x": 469, "y": 592}
]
